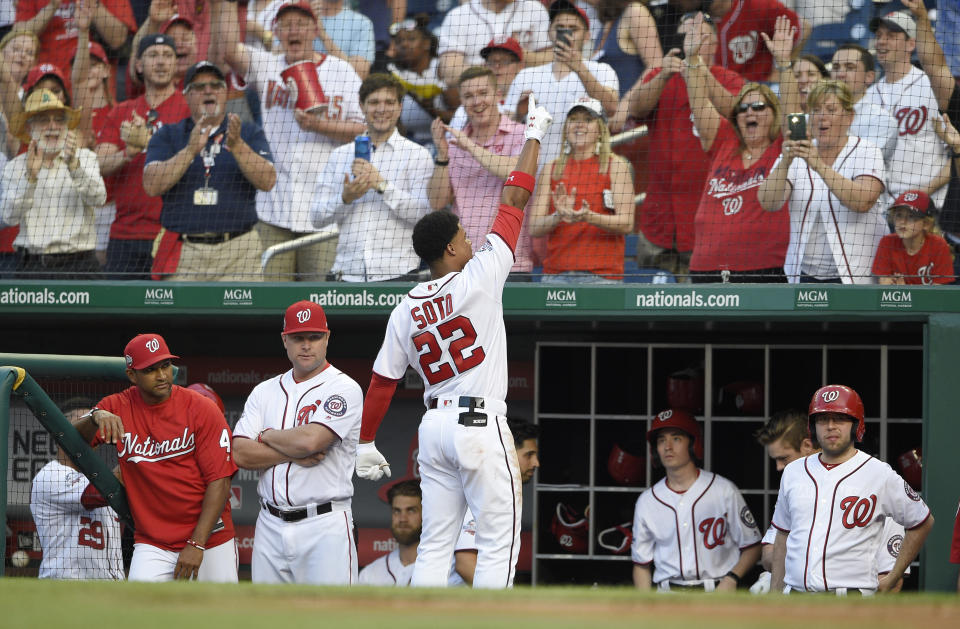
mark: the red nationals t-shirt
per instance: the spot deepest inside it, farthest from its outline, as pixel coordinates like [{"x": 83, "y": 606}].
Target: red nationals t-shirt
[{"x": 933, "y": 264}]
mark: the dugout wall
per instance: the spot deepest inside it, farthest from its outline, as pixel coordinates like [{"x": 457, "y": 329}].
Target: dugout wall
[{"x": 229, "y": 338}]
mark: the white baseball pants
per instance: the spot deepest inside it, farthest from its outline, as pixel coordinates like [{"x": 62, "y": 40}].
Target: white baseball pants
[
  {"x": 318, "y": 550},
  {"x": 475, "y": 466},
  {"x": 150, "y": 563}
]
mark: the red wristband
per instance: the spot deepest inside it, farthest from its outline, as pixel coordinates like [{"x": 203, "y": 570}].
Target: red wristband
[
  {"x": 521, "y": 179},
  {"x": 191, "y": 542},
  {"x": 260, "y": 434}
]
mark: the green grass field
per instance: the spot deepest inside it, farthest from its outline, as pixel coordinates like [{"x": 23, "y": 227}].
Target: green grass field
[{"x": 28, "y": 603}]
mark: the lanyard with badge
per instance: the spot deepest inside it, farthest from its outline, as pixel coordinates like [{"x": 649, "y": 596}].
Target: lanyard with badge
[{"x": 207, "y": 195}]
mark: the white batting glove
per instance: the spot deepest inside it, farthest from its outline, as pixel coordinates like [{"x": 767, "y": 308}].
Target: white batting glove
[
  {"x": 762, "y": 586},
  {"x": 538, "y": 120},
  {"x": 371, "y": 465}
]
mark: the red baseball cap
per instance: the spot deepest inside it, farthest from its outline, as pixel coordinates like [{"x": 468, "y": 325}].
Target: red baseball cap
[
  {"x": 146, "y": 350},
  {"x": 295, "y": 4},
  {"x": 917, "y": 201},
  {"x": 207, "y": 391},
  {"x": 174, "y": 20},
  {"x": 304, "y": 316},
  {"x": 565, "y": 6},
  {"x": 39, "y": 71},
  {"x": 509, "y": 44},
  {"x": 97, "y": 52}
]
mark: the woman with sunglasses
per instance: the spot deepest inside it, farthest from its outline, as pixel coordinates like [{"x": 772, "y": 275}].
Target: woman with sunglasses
[
  {"x": 734, "y": 239},
  {"x": 833, "y": 189}
]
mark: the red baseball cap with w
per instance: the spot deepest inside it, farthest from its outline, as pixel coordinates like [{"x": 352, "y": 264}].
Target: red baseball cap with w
[
  {"x": 146, "y": 350},
  {"x": 304, "y": 316}
]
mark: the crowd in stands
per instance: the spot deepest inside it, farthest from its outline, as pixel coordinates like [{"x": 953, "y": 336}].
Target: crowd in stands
[{"x": 782, "y": 141}]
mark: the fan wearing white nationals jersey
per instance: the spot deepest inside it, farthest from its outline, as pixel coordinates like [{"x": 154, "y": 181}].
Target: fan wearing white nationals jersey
[
  {"x": 302, "y": 140},
  {"x": 173, "y": 445},
  {"x": 693, "y": 525},
  {"x": 450, "y": 329},
  {"x": 79, "y": 533},
  {"x": 786, "y": 438},
  {"x": 832, "y": 506},
  {"x": 300, "y": 430}
]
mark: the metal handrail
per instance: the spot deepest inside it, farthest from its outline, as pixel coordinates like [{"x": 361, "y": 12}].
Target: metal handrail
[
  {"x": 298, "y": 243},
  {"x": 629, "y": 136}
]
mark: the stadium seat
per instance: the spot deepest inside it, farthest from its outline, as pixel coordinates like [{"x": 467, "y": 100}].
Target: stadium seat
[{"x": 855, "y": 28}]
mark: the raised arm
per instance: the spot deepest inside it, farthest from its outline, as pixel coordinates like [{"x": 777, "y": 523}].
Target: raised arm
[
  {"x": 38, "y": 22},
  {"x": 642, "y": 98},
  {"x": 82, "y": 94},
  {"x": 781, "y": 47},
  {"x": 696, "y": 74},
  {"x": 223, "y": 21},
  {"x": 439, "y": 190},
  {"x": 160, "y": 11},
  {"x": 931, "y": 55},
  {"x": 643, "y": 34},
  {"x": 110, "y": 27}
]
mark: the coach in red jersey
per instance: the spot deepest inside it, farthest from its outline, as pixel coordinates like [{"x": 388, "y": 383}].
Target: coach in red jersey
[{"x": 176, "y": 464}]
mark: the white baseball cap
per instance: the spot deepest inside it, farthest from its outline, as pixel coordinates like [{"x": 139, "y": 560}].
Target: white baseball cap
[
  {"x": 896, "y": 21},
  {"x": 592, "y": 105}
]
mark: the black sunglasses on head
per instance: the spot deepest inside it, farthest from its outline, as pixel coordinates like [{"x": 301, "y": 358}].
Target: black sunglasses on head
[{"x": 757, "y": 106}]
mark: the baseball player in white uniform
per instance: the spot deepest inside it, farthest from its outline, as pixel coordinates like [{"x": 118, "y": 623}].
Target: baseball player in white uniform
[
  {"x": 693, "y": 525},
  {"x": 906, "y": 93},
  {"x": 832, "y": 507},
  {"x": 450, "y": 329},
  {"x": 300, "y": 430},
  {"x": 302, "y": 141},
  {"x": 525, "y": 437},
  {"x": 406, "y": 525},
  {"x": 786, "y": 438},
  {"x": 79, "y": 535}
]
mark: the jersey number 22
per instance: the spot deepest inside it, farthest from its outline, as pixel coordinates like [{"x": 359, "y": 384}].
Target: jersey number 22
[{"x": 435, "y": 368}]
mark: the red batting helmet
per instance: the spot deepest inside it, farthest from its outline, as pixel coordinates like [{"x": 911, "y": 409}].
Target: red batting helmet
[
  {"x": 838, "y": 398},
  {"x": 207, "y": 391},
  {"x": 911, "y": 467},
  {"x": 625, "y": 468},
  {"x": 570, "y": 529},
  {"x": 743, "y": 396},
  {"x": 681, "y": 420},
  {"x": 617, "y": 539},
  {"x": 685, "y": 390}
]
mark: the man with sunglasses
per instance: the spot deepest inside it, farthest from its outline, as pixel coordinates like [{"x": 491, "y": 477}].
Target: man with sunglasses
[
  {"x": 208, "y": 169},
  {"x": 175, "y": 458},
  {"x": 121, "y": 149}
]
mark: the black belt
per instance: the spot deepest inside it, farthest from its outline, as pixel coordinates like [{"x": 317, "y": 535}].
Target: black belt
[
  {"x": 295, "y": 515},
  {"x": 468, "y": 418},
  {"x": 463, "y": 401},
  {"x": 59, "y": 258},
  {"x": 213, "y": 238}
]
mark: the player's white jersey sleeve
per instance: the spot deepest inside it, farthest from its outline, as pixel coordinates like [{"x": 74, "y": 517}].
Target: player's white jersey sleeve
[
  {"x": 387, "y": 570},
  {"x": 77, "y": 543},
  {"x": 641, "y": 550},
  {"x": 889, "y": 549},
  {"x": 770, "y": 536}
]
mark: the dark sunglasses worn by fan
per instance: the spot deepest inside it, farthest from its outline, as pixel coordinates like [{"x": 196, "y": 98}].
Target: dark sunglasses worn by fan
[{"x": 757, "y": 106}]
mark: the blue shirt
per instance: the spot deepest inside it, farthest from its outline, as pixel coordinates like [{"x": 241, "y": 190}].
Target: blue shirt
[
  {"x": 352, "y": 32},
  {"x": 236, "y": 208}
]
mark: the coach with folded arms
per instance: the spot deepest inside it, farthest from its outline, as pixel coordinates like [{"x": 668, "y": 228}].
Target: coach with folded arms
[{"x": 208, "y": 169}]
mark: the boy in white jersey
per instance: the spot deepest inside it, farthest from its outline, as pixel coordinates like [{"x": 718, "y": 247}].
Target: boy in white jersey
[
  {"x": 832, "y": 507},
  {"x": 79, "y": 533},
  {"x": 300, "y": 430},
  {"x": 450, "y": 329},
  {"x": 693, "y": 525}
]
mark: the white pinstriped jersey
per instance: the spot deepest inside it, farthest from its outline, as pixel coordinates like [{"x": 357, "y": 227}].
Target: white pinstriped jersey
[
  {"x": 887, "y": 550},
  {"x": 835, "y": 519},
  {"x": 450, "y": 329},
  {"x": 695, "y": 535},
  {"x": 77, "y": 543},
  {"x": 387, "y": 570},
  {"x": 919, "y": 154},
  {"x": 330, "y": 398}
]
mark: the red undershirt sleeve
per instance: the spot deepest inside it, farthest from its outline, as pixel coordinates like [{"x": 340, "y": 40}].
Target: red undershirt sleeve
[
  {"x": 92, "y": 499},
  {"x": 507, "y": 225},
  {"x": 375, "y": 404}
]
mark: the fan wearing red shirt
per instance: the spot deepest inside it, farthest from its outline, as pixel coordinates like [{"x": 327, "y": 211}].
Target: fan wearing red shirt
[
  {"x": 173, "y": 445},
  {"x": 54, "y": 23},
  {"x": 121, "y": 151},
  {"x": 739, "y": 27},
  {"x": 679, "y": 169},
  {"x": 915, "y": 253}
]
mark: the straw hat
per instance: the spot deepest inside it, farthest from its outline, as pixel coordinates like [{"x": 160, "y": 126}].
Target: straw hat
[{"x": 39, "y": 102}]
